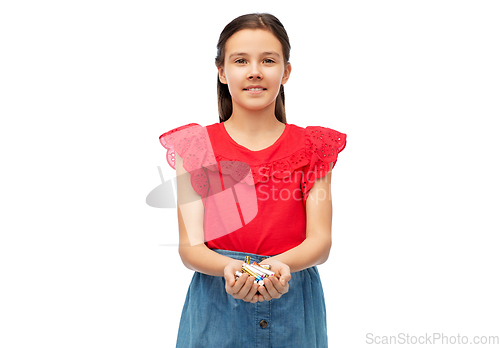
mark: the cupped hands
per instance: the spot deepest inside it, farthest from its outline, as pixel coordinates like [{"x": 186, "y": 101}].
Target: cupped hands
[{"x": 246, "y": 289}]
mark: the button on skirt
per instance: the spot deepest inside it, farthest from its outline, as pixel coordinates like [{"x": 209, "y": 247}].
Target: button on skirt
[{"x": 213, "y": 318}]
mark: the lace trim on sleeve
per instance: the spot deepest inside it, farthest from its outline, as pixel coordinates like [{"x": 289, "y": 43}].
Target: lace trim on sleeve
[
  {"x": 323, "y": 146},
  {"x": 192, "y": 143}
]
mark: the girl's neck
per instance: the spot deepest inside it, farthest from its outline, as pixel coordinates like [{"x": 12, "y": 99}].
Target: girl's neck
[{"x": 254, "y": 122}]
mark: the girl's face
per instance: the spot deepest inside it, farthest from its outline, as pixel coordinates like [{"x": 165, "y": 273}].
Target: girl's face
[{"x": 254, "y": 57}]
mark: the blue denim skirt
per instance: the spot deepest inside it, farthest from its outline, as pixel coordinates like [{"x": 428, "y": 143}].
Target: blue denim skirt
[{"x": 213, "y": 318}]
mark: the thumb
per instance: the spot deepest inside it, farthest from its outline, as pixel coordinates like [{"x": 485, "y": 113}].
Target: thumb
[
  {"x": 230, "y": 280},
  {"x": 285, "y": 278}
]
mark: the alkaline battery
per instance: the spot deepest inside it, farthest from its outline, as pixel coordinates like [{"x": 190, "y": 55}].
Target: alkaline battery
[{"x": 259, "y": 272}]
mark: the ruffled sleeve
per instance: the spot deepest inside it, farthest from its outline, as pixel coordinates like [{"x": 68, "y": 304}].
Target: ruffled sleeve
[
  {"x": 192, "y": 144},
  {"x": 322, "y": 148}
]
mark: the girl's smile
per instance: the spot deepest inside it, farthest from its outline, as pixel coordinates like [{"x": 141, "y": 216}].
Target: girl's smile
[{"x": 255, "y": 89}]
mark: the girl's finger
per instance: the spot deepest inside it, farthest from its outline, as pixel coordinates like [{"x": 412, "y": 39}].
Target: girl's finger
[
  {"x": 251, "y": 293},
  {"x": 280, "y": 289},
  {"x": 264, "y": 293},
  {"x": 274, "y": 287},
  {"x": 239, "y": 283},
  {"x": 285, "y": 276},
  {"x": 229, "y": 280},
  {"x": 246, "y": 288},
  {"x": 255, "y": 298}
]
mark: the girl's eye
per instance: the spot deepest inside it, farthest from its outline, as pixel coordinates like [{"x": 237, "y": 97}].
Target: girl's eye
[{"x": 241, "y": 60}]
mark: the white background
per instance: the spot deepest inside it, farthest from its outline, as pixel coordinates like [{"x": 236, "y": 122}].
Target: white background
[{"x": 87, "y": 87}]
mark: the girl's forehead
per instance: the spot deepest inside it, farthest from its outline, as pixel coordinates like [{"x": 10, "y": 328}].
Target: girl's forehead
[{"x": 252, "y": 41}]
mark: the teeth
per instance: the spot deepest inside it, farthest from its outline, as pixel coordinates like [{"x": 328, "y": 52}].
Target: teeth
[{"x": 255, "y": 89}]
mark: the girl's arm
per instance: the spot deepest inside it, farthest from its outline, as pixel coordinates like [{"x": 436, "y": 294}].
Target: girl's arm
[
  {"x": 194, "y": 254},
  {"x": 192, "y": 249},
  {"x": 315, "y": 249}
]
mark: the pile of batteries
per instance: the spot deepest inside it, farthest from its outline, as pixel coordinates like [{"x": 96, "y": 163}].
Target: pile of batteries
[{"x": 258, "y": 271}]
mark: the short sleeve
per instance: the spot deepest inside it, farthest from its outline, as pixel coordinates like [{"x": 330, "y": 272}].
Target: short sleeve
[
  {"x": 192, "y": 144},
  {"x": 322, "y": 148}
]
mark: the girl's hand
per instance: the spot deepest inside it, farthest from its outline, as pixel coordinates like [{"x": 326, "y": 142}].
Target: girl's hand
[
  {"x": 277, "y": 285},
  {"x": 244, "y": 288}
]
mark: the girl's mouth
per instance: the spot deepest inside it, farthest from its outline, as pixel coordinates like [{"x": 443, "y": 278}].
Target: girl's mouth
[{"x": 254, "y": 90}]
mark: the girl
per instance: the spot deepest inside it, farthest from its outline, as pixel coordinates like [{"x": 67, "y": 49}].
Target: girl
[{"x": 253, "y": 185}]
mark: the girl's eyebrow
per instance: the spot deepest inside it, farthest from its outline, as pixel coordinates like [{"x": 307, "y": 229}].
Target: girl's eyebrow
[{"x": 246, "y": 54}]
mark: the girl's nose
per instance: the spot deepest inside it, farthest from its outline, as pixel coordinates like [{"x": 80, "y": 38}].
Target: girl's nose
[{"x": 254, "y": 72}]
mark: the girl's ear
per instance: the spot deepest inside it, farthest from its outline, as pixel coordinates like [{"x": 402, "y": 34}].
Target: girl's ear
[
  {"x": 286, "y": 74},
  {"x": 222, "y": 77}
]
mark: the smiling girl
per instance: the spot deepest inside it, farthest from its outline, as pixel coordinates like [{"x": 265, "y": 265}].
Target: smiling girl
[{"x": 226, "y": 173}]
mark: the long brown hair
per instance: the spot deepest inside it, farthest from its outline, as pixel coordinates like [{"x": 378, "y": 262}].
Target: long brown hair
[{"x": 264, "y": 21}]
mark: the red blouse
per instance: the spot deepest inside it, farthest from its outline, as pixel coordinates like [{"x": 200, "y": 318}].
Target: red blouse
[{"x": 254, "y": 200}]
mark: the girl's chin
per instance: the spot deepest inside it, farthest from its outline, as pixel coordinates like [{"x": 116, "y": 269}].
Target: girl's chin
[{"x": 253, "y": 109}]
